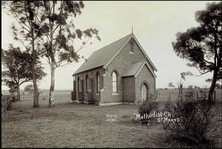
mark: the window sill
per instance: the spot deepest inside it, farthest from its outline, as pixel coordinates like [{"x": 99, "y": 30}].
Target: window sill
[{"x": 131, "y": 52}]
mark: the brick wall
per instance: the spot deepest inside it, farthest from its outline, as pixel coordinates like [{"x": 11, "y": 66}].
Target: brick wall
[
  {"x": 120, "y": 63},
  {"x": 89, "y": 96},
  {"x": 145, "y": 76},
  {"x": 129, "y": 91}
]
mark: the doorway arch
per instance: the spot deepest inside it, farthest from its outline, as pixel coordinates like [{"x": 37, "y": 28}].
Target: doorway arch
[{"x": 144, "y": 92}]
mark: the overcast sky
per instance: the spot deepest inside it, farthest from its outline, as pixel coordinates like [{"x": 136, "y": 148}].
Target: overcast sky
[{"x": 155, "y": 25}]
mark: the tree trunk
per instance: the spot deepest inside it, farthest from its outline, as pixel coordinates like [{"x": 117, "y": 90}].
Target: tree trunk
[
  {"x": 18, "y": 93},
  {"x": 36, "y": 93},
  {"x": 52, "y": 86},
  {"x": 213, "y": 84},
  {"x": 52, "y": 65}
]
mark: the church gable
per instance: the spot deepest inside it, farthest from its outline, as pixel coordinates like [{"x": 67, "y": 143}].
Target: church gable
[
  {"x": 130, "y": 52},
  {"x": 125, "y": 58}
]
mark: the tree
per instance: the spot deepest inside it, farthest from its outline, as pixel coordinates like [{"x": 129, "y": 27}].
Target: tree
[
  {"x": 57, "y": 22},
  {"x": 171, "y": 85},
  {"x": 29, "y": 88},
  {"x": 190, "y": 87},
  {"x": 18, "y": 66},
  {"x": 183, "y": 76},
  {"x": 218, "y": 86},
  {"x": 196, "y": 87},
  {"x": 202, "y": 45},
  {"x": 26, "y": 14}
]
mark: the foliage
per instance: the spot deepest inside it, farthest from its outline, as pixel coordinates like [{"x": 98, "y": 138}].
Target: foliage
[
  {"x": 28, "y": 31},
  {"x": 202, "y": 45},
  {"x": 189, "y": 95},
  {"x": 6, "y": 102},
  {"x": 29, "y": 88},
  {"x": 168, "y": 105},
  {"x": 171, "y": 85},
  {"x": 57, "y": 21},
  {"x": 18, "y": 68},
  {"x": 190, "y": 87},
  {"x": 49, "y": 27},
  {"x": 60, "y": 34},
  {"x": 147, "y": 107},
  {"x": 195, "y": 120},
  {"x": 218, "y": 86}
]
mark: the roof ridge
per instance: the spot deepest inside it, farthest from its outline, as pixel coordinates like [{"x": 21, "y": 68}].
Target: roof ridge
[{"x": 112, "y": 43}]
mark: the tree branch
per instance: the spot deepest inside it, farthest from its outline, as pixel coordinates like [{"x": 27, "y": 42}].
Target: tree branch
[
  {"x": 208, "y": 62},
  {"x": 82, "y": 46},
  {"x": 16, "y": 18},
  {"x": 42, "y": 27},
  {"x": 202, "y": 73},
  {"x": 62, "y": 65},
  {"x": 26, "y": 80},
  {"x": 23, "y": 44}
]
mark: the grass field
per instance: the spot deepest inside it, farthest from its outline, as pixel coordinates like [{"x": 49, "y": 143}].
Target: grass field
[{"x": 79, "y": 125}]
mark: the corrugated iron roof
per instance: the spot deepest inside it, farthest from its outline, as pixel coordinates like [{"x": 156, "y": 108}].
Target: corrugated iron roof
[{"x": 100, "y": 57}]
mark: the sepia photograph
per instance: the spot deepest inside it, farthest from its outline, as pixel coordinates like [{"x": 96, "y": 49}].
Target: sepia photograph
[{"x": 111, "y": 74}]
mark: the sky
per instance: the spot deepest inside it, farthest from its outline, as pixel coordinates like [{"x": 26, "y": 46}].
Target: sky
[{"x": 155, "y": 24}]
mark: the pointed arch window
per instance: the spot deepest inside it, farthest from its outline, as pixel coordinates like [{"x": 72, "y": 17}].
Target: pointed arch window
[
  {"x": 131, "y": 47},
  {"x": 79, "y": 85},
  {"x": 87, "y": 84},
  {"x": 114, "y": 82}
]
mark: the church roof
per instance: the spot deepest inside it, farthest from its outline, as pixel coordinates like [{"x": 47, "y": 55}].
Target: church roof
[
  {"x": 133, "y": 68},
  {"x": 103, "y": 56}
]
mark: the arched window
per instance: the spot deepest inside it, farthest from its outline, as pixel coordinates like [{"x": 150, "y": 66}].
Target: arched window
[
  {"x": 114, "y": 80},
  {"x": 144, "y": 92},
  {"x": 79, "y": 85},
  {"x": 87, "y": 84},
  {"x": 97, "y": 79}
]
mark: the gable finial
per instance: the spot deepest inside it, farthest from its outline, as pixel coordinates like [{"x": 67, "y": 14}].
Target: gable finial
[{"x": 132, "y": 29}]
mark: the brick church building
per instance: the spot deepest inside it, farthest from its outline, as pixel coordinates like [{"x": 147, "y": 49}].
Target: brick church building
[{"x": 118, "y": 73}]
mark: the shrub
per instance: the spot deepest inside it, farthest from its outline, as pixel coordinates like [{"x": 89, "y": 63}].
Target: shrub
[
  {"x": 146, "y": 108},
  {"x": 168, "y": 105},
  {"x": 189, "y": 95},
  {"x": 9, "y": 105},
  {"x": 14, "y": 98},
  {"x": 195, "y": 118},
  {"x": 6, "y": 102}
]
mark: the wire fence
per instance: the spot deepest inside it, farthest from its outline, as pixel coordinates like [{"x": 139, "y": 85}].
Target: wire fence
[{"x": 172, "y": 94}]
